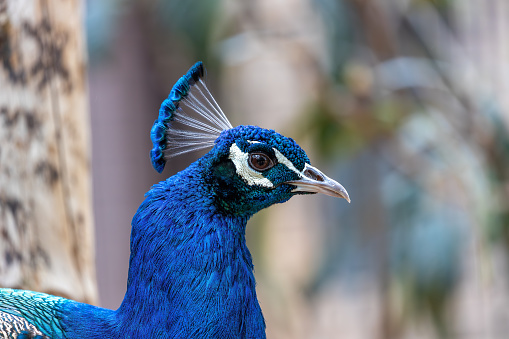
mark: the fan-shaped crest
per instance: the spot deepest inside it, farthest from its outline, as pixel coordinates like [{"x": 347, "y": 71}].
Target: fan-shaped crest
[{"x": 189, "y": 119}]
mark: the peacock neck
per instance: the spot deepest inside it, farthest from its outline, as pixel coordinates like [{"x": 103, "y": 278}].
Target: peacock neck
[{"x": 190, "y": 270}]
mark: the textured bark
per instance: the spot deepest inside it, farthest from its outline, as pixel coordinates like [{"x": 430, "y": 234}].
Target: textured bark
[{"x": 46, "y": 224}]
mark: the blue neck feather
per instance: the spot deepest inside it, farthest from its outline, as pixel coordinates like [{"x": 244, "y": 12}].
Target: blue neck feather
[{"x": 189, "y": 261}]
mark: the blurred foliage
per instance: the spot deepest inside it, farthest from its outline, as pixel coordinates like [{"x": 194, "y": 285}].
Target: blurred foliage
[
  {"x": 192, "y": 21},
  {"x": 182, "y": 29},
  {"x": 406, "y": 79},
  {"x": 426, "y": 247},
  {"x": 101, "y": 21},
  {"x": 337, "y": 19}
]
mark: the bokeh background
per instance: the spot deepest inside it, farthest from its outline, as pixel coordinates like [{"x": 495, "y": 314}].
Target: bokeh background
[{"x": 402, "y": 101}]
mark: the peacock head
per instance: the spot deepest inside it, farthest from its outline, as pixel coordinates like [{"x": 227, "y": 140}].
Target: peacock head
[{"x": 248, "y": 168}]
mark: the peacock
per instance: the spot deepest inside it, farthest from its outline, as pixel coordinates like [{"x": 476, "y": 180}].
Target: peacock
[{"x": 190, "y": 271}]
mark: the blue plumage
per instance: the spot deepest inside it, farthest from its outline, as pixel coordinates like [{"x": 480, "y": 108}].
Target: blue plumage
[{"x": 190, "y": 271}]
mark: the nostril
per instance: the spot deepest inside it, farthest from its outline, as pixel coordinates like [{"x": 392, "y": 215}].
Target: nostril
[{"x": 314, "y": 175}]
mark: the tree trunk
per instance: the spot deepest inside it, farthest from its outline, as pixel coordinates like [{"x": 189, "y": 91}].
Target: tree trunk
[{"x": 46, "y": 224}]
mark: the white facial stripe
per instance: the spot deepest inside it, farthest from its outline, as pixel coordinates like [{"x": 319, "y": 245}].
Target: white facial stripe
[
  {"x": 284, "y": 160},
  {"x": 242, "y": 168}
]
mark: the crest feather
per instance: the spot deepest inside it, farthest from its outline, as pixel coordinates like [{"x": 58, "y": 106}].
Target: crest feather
[{"x": 189, "y": 119}]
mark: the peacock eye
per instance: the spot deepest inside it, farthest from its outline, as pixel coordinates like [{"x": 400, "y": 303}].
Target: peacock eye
[{"x": 260, "y": 161}]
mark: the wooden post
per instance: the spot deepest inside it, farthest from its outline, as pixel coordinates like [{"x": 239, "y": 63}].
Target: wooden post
[{"x": 46, "y": 224}]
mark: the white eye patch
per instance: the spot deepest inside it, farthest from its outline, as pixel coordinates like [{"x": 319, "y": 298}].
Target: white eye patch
[
  {"x": 242, "y": 168},
  {"x": 252, "y": 177}
]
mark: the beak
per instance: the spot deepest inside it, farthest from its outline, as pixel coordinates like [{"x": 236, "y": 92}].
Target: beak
[{"x": 314, "y": 181}]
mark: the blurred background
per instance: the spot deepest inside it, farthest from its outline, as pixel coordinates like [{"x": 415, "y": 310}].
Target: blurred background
[{"x": 402, "y": 101}]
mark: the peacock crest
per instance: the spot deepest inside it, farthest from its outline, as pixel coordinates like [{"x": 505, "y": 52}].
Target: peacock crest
[{"x": 189, "y": 119}]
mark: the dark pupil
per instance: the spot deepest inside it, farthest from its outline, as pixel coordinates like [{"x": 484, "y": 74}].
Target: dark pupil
[{"x": 259, "y": 161}]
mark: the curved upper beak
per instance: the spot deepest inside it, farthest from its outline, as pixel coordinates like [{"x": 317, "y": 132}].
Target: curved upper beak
[{"x": 312, "y": 180}]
